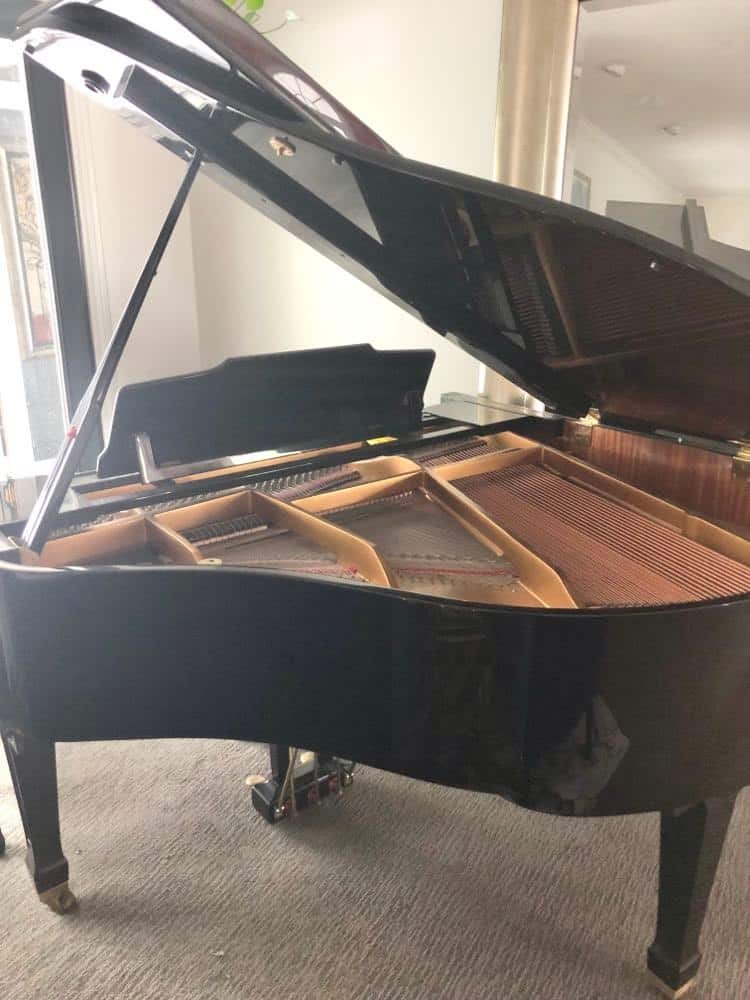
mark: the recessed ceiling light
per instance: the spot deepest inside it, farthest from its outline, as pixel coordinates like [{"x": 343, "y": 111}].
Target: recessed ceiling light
[
  {"x": 578, "y": 72},
  {"x": 615, "y": 69},
  {"x": 674, "y": 129}
]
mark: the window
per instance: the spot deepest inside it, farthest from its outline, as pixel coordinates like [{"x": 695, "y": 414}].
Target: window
[{"x": 31, "y": 407}]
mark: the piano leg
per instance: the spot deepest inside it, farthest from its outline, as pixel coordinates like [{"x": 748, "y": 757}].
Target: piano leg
[
  {"x": 34, "y": 773},
  {"x": 690, "y": 848},
  {"x": 2, "y": 844}
]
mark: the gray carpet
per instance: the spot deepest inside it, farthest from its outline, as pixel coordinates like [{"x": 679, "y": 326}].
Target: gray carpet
[{"x": 403, "y": 892}]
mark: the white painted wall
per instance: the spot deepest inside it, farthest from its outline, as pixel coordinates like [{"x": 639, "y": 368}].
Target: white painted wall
[
  {"x": 423, "y": 74},
  {"x": 728, "y": 219},
  {"x": 616, "y": 175},
  {"x": 126, "y": 184}
]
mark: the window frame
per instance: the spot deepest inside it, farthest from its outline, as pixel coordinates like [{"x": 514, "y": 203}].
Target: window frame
[{"x": 51, "y": 145}]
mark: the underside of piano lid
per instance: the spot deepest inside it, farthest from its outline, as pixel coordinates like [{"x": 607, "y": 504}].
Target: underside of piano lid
[{"x": 580, "y": 311}]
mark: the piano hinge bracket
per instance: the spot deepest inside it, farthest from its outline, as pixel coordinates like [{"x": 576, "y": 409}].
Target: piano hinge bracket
[
  {"x": 414, "y": 402},
  {"x": 741, "y": 460},
  {"x": 583, "y": 429},
  {"x": 152, "y": 473}
]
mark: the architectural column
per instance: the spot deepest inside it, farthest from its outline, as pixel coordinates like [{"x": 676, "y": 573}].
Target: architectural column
[{"x": 537, "y": 50}]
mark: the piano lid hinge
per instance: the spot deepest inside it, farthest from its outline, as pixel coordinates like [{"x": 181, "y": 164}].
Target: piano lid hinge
[
  {"x": 414, "y": 404},
  {"x": 741, "y": 460},
  {"x": 583, "y": 428},
  {"x": 153, "y": 474}
]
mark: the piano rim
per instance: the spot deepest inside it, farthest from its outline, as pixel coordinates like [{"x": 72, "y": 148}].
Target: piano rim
[
  {"x": 613, "y": 611},
  {"x": 400, "y": 595}
]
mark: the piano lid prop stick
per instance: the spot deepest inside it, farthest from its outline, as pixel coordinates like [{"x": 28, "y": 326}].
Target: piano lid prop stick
[
  {"x": 88, "y": 411},
  {"x": 289, "y": 782}
]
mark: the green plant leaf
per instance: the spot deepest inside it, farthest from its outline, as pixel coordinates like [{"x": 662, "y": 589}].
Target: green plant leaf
[{"x": 246, "y": 9}]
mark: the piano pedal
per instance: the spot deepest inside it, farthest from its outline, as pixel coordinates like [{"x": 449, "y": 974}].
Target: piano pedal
[
  {"x": 59, "y": 899},
  {"x": 278, "y": 800}
]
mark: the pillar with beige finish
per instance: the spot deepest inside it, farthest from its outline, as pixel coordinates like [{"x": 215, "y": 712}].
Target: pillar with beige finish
[{"x": 536, "y": 71}]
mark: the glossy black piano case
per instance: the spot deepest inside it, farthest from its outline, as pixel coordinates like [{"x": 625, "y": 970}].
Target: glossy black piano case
[{"x": 574, "y": 712}]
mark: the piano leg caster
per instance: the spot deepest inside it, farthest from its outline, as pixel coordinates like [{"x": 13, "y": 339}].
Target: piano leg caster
[
  {"x": 667, "y": 991},
  {"x": 690, "y": 849},
  {"x": 59, "y": 899},
  {"x": 34, "y": 773},
  {"x": 298, "y": 779}
]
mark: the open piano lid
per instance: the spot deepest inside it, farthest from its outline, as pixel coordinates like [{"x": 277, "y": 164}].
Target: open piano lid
[{"x": 578, "y": 310}]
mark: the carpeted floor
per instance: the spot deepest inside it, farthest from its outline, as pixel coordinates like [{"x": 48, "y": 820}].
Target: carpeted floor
[{"x": 403, "y": 892}]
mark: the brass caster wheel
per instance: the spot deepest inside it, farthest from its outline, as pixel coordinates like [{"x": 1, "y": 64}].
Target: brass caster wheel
[
  {"x": 252, "y": 780},
  {"x": 60, "y": 899},
  {"x": 667, "y": 991}
]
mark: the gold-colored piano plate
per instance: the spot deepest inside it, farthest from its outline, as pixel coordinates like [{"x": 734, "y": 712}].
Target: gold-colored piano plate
[
  {"x": 539, "y": 585},
  {"x": 113, "y": 540}
]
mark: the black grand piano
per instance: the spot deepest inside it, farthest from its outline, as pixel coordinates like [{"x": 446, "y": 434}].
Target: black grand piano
[{"x": 553, "y": 610}]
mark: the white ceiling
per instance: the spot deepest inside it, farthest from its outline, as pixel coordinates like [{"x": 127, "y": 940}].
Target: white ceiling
[{"x": 687, "y": 64}]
